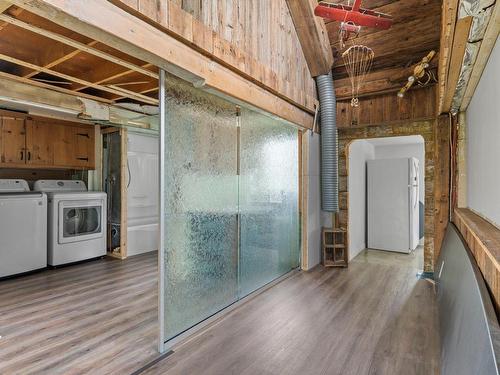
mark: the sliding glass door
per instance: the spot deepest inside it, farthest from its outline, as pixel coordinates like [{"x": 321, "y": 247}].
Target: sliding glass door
[
  {"x": 268, "y": 200},
  {"x": 201, "y": 207},
  {"x": 230, "y": 193}
]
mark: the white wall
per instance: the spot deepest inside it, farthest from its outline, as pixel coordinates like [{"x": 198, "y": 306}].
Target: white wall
[
  {"x": 415, "y": 150},
  {"x": 483, "y": 142},
  {"x": 359, "y": 152}
]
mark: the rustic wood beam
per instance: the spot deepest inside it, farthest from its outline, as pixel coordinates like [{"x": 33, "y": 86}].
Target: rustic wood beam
[
  {"x": 379, "y": 81},
  {"x": 313, "y": 36},
  {"x": 12, "y": 89},
  {"x": 112, "y": 90},
  {"x": 73, "y": 43},
  {"x": 52, "y": 87},
  {"x": 4, "y": 5},
  {"x": 108, "y": 24},
  {"x": 457, "y": 56},
  {"x": 448, "y": 20},
  {"x": 487, "y": 44}
]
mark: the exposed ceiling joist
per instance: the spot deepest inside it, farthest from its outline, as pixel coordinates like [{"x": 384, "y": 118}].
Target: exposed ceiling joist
[
  {"x": 313, "y": 36},
  {"x": 105, "y": 77},
  {"x": 4, "y": 5},
  {"x": 80, "y": 46},
  {"x": 130, "y": 36},
  {"x": 56, "y": 58},
  {"x": 112, "y": 90}
]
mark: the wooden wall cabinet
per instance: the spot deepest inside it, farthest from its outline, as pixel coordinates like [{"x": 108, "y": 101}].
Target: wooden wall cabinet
[
  {"x": 45, "y": 143},
  {"x": 12, "y": 142}
]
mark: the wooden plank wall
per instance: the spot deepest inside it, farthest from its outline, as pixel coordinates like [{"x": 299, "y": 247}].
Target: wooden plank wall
[
  {"x": 256, "y": 38},
  {"x": 388, "y": 108}
]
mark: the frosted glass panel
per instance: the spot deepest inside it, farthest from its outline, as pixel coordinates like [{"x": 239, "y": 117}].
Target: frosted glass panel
[
  {"x": 269, "y": 233},
  {"x": 201, "y": 206}
]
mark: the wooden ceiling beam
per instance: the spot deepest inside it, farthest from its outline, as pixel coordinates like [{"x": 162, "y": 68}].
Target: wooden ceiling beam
[
  {"x": 448, "y": 20},
  {"x": 80, "y": 46},
  {"x": 127, "y": 93},
  {"x": 313, "y": 36},
  {"x": 144, "y": 91},
  {"x": 4, "y": 5},
  {"x": 56, "y": 57},
  {"x": 100, "y": 76},
  {"x": 52, "y": 87},
  {"x": 110, "y": 25},
  {"x": 376, "y": 82},
  {"x": 15, "y": 91},
  {"x": 460, "y": 37}
]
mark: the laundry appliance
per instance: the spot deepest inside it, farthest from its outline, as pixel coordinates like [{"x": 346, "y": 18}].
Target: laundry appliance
[
  {"x": 393, "y": 204},
  {"x": 76, "y": 221},
  {"x": 23, "y": 228}
]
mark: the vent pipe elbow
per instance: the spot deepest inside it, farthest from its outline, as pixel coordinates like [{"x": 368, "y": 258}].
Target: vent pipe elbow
[{"x": 329, "y": 143}]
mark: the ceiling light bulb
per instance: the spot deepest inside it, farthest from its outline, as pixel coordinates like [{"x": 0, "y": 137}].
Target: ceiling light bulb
[
  {"x": 411, "y": 79},
  {"x": 400, "y": 94}
]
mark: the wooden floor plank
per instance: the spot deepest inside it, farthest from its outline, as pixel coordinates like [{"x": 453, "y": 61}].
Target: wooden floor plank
[
  {"x": 100, "y": 317},
  {"x": 376, "y": 317},
  {"x": 81, "y": 319}
]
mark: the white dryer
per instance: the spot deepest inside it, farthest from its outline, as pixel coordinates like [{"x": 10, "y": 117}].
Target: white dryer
[
  {"x": 76, "y": 221},
  {"x": 23, "y": 228}
]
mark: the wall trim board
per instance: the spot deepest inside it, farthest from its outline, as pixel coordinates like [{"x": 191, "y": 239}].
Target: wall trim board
[
  {"x": 435, "y": 134},
  {"x": 483, "y": 239},
  {"x": 108, "y": 24}
]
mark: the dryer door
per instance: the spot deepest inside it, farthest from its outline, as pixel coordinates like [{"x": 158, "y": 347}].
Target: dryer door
[{"x": 80, "y": 220}]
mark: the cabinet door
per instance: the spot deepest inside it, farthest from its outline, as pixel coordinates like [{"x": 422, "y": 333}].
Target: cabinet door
[
  {"x": 74, "y": 146},
  {"x": 12, "y": 141},
  {"x": 84, "y": 147},
  {"x": 64, "y": 145},
  {"x": 39, "y": 142}
]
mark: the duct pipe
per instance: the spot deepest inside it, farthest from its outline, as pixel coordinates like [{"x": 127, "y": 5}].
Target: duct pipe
[{"x": 329, "y": 143}]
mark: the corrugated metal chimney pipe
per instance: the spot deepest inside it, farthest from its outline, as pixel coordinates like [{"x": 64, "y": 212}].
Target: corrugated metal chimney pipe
[{"x": 329, "y": 143}]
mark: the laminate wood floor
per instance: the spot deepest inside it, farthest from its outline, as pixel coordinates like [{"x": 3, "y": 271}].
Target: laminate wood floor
[
  {"x": 375, "y": 317},
  {"x": 98, "y": 317}
]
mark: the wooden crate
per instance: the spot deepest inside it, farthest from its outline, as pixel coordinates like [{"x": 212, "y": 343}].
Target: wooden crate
[{"x": 335, "y": 252}]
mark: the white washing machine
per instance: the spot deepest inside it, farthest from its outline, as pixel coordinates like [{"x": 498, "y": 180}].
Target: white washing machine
[
  {"x": 76, "y": 221},
  {"x": 23, "y": 228}
]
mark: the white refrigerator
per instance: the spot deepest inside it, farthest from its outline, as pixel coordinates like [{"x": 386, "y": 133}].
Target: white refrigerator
[{"x": 393, "y": 204}]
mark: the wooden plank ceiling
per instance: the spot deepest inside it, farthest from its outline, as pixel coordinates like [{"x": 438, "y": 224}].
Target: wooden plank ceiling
[
  {"x": 415, "y": 32},
  {"x": 37, "y": 51}
]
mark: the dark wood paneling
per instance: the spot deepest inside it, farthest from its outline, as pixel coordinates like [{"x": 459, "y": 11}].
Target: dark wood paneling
[{"x": 417, "y": 104}]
